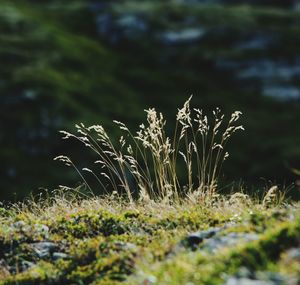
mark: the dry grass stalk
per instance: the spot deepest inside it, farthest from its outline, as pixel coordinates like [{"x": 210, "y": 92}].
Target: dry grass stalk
[{"x": 149, "y": 159}]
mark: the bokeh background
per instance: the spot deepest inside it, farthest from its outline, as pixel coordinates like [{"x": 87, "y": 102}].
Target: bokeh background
[{"x": 64, "y": 62}]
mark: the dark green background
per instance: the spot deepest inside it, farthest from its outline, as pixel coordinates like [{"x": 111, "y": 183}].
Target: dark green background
[{"x": 58, "y": 69}]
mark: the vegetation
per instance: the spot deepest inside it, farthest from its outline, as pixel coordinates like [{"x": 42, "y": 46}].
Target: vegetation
[
  {"x": 148, "y": 160},
  {"x": 67, "y": 240},
  {"x": 162, "y": 216},
  {"x": 56, "y": 71},
  {"x": 172, "y": 234}
]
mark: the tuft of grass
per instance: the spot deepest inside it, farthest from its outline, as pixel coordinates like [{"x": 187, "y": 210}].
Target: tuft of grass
[{"x": 151, "y": 161}]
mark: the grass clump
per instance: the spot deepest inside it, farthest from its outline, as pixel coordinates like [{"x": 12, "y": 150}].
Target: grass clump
[
  {"x": 149, "y": 160},
  {"x": 171, "y": 239}
]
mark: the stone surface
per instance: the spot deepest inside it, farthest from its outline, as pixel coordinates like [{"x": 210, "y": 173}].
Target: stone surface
[
  {"x": 42, "y": 229},
  {"x": 26, "y": 265},
  {"x": 43, "y": 249},
  {"x": 282, "y": 91},
  {"x": 247, "y": 281},
  {"x": 293, "y": 254},
  {"x": 214, "y": 239},
  {"x": 228, "y": 240},
  {"x": 194, "y": 239},
  {"x": 125, "y": 245},
  {"x": 185, "y": 36},
  {"x": 59, "y": 255},
  {"x": 246, "y": 277}
]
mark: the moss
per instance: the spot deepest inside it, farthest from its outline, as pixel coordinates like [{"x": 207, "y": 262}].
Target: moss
[
  {"x": 88, "y": 225},
  {"x": 126, "y": 245},
  {"x": 260, "y": 255},
  {"x": 42, "y": 273}
]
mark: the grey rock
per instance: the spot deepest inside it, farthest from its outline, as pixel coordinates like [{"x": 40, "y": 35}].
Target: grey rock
[
  {"x": 247, "y": 281},
  {"x": 42, "y": 229},
  {"x": 266, "y": 69},
  {"x": 194, "y": 239},
  {"x": 29, "y": 94},
  {"x": 103, "y": 23},
  {"x": 296, "y": 6},
  {"x": 96, "y": 6},
  {"x": 188, "y": 35},
  {"x": 228, "y": 240},
  {"x": 131, "y": 23},
  {"x": 270, "y": 276},
  {"x": 149, "y": 280},
  {"x": 43, "y": 249},
  {"x": 256, "y": 42},
  {"x": 293, "y": 254},
  {"x": 26, "y": 265},
  {"x": 19, "y": 224},
  {"x": 125, "y": 245},
  {"x": 4, "y": 267},
  {"x": 123, "y": 26},
  {"x": 59, "y": 255},
  {"x": 282, "y": 92},
  {"x": 244, "y": 272}
]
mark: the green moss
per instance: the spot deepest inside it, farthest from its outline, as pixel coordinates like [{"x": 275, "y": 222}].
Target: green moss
[
  {"x": 127, "y": 246},
  {"x": 42, "y": 273}
]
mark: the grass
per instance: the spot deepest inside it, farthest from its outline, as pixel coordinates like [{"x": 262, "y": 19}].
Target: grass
[
  {"x": 110, "y": 241},
  {"x": 149, "y": 160}
]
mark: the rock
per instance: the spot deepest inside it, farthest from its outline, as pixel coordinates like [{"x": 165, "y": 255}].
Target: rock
[
  {"x": 270, "y": 276},
  {"x": 194, "y": 239},
  {"x": 256, "y": 42},
  {"x": 244, "y": 272},
  {"x": 124, "y": 26},
  {"x": 125, "y": 245},
  {"x": 26, "y": 265},
  {"x": 59, "y": 255},
  {"x": 42, "y": 229},
  {"x": 246, "y": 277},
  {"x": 228, "y": 240},
  {"x": 131, "y": 25},
  {"x": 292, "y": 254},
  {"x": 19, "y": 225},
  {"x": 282, "y": 92},
  {"x": 103, "y": 24},
  {"x": 30, "y": 94},
  {"x": 4, "y": 268},
  {"x": 266, "y": 69},
  {"x": 213, "y": 239},
  {"x": 247, "y": 281},
  {"x": 96, "y": 6},
  {"x": 186, "y": 36},
  {"x": 296, "y": 5},
  {"x": 200, "y": 2},
  {"x": 44, "y": 249},
  {"x": 149, "y": 280}
]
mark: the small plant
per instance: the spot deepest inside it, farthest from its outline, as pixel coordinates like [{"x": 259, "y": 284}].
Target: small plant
[{"x": 152, "y": 159}]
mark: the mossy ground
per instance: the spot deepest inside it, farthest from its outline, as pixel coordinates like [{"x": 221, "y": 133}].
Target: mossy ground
[{"x": 102, "y": 241}]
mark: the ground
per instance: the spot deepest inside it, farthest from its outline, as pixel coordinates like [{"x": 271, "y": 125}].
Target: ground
[{"x": 226, "y": 240}]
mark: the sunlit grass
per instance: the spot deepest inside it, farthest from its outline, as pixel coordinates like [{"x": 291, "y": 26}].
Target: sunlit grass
[{"x": 148, "y": 160}]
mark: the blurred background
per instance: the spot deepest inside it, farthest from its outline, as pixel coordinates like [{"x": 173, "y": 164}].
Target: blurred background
[{"x": 64, "y": 62}]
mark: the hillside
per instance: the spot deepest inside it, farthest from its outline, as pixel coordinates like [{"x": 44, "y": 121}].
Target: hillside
[
  {"x": 226, "y": 240},
  {"x": 50, "y": 77},
  {"x": 65, "y": 63}
]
